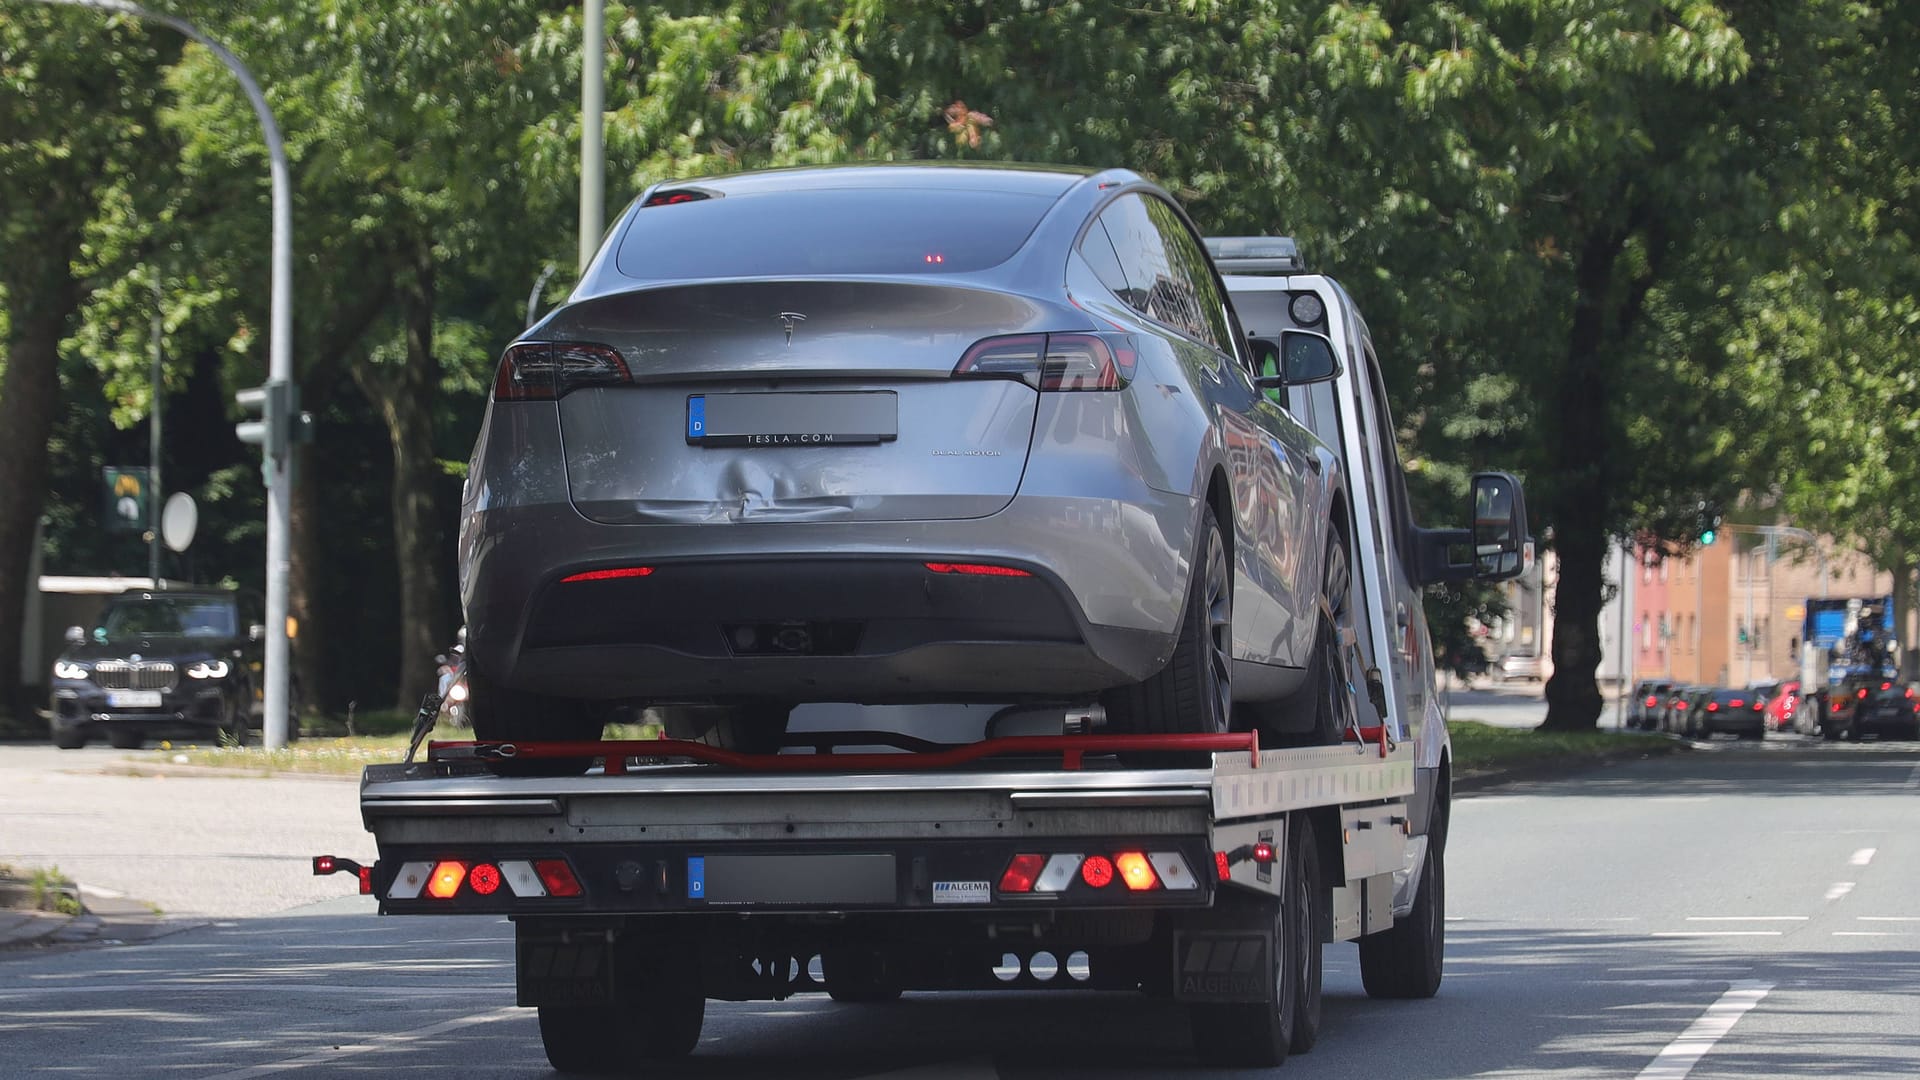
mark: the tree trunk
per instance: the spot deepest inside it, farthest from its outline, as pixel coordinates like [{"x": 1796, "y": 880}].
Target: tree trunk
[
  {"x": 1577, "y": 447},
  {"x": 303, "y": 586},
  {"x": 405, "y": 398},
  {"x": 38, "y": 313}
]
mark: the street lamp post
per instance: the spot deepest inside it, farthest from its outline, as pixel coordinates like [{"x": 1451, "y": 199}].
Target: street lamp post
[
  {"x": 279, "y": 356},
  {"x": 593, "y": 86}
]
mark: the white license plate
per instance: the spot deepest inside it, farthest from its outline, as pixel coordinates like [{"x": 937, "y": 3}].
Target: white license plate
[{"x": 133, "y": 699}]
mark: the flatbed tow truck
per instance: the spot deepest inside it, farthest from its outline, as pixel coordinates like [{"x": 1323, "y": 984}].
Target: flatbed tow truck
[{"x": 1200, "y": 868}]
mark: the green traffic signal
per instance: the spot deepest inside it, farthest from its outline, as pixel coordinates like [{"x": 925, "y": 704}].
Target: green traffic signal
[{"x": 1707, "y": 538}]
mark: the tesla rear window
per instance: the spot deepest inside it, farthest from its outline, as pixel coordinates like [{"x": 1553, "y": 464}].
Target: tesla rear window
[{"x": 829, "y": 232}]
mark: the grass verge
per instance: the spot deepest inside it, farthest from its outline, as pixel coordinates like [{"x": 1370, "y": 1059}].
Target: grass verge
[
  {"x": 1481, "y": 748},
  {"x": 42, "y": 889}
]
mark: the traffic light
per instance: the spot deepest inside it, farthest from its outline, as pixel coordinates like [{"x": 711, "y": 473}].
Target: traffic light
[
  {"x": 1708, "y": 536},
  {"x": 1709, "y": 526},
  {"x": 281, "y": 423}
]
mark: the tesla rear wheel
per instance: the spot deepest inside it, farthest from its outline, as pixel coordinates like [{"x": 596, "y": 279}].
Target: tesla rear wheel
[
  {"x": 1319, "y": 713},
  {"x": 501, "y": 714},
  {"x": 1193, "y": 694}
]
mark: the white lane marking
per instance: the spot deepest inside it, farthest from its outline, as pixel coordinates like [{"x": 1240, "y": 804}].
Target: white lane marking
[
  {"x": 332, "y": 1055},
  {"x": 1839, "y": 889},
  {"x": 1888, "y": 918},
  {"x": 1863, "y": 856},
  {"x": 1747, "y": 918},
  {"x": 1718, "y": 933},
  {"x": 1913, "y": 779},
  {"x": 1678, "y": 1057},
  {"x": 1871, "y": 933}
]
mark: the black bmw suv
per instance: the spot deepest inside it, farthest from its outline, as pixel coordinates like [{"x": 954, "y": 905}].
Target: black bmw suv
[{"x": 171, "y": 664}]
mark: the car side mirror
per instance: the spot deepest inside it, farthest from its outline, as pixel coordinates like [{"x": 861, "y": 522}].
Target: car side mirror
[
  {"x": 1501, "y": 548},
  {"x": 76, "y": 636},
  {"x": 256, "y": 632},
  {"x": 1300, "y": 357}
]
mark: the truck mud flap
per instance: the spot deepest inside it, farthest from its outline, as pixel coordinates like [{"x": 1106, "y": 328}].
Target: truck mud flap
[
  {"x": 551, "y": 971},
  {"x": 1222, "y": 965}
]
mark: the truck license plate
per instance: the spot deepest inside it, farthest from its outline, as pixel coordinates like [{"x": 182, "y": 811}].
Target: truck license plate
[{"x": 133, "y": 699}]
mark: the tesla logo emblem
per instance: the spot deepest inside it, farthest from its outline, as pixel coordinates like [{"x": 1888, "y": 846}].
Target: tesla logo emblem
[{"x": 789, "y": 320}]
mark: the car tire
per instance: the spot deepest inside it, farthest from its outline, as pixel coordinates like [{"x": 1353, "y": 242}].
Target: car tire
[
  {"x": 502, "y": 714},
  {"x": 236, "y": 727},
  {"x": 1321, "y": 712},
  {"x": 70, "y": 740},
  {"x": 1408, "y": 960},
  {"x": 1256, "y": 1035},
  {"x": 126, "y": 739},
  {"x": 1193, "y": 694}
]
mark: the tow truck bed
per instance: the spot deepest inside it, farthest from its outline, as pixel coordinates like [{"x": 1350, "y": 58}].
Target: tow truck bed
[{"x": 656, "y": 884}]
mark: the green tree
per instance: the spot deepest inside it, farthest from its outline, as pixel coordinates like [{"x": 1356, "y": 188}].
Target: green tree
[{"x": 77, "y": 99}]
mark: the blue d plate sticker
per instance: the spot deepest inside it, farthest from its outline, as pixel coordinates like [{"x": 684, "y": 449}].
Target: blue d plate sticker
[
  {"x": 696, "y": 416},
  {"x": 696, "y": 870}
]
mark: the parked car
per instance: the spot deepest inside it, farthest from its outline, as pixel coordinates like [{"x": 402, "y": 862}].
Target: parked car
[
  {"x": 1643, "y": 711},
  {"x": 1520, "y": 666},
  {"x": 1783, "y": 700},
  {"x": 1890, "y": 709},
  {"x": 1673, "y": 709},
  {"x": 1734, "y": 712},
  {"x": 887, "y": 434},
  {"x": 158, "y": 664}
]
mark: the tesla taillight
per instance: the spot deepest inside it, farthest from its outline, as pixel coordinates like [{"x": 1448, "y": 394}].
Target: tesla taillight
[
  {"x": 548, "y": 370},
  {"x": 1054, "y": 361}
]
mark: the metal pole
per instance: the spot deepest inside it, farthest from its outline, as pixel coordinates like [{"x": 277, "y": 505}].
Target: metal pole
[
  {"x": 1623, "y": 667},
  {"x": 279, "y": 357},
  {"x": 155, "y": 489},
  {"x": 593, "y": 53},
  {"x": 1749, "y": 591}
]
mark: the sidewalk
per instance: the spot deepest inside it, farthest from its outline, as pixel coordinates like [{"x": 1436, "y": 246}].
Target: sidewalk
[{"x": 108, "y": 918}]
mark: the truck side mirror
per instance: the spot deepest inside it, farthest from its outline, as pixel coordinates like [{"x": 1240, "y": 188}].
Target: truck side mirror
[
  {"x": 1501, "y": 546},
  {"x": 1298, "y": 358},
  {"x": 76, "y": 636}
]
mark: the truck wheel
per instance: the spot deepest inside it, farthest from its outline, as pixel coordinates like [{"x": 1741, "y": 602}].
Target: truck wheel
[
  {"x": 1194, "y": 692},
  {"x": 1319, "y": 713},
  {"x": 1311, "y": 902},
  {"x": 501, "y": 714},
  {"x": 1260, "y": 1035},
  {"x": 859, "y": 977},
  {"x": 1406, "y": 961},
  {"x": 663, "y": 1025}
]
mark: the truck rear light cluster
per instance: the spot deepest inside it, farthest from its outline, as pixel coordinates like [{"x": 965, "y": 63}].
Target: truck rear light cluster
[
  {"x": 1054, "y": 361},
  {"x": 446, "y": 879},
  {"x": 1136, "y": 871}
]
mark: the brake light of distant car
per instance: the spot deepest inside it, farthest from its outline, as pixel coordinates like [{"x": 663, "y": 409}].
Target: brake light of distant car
[
  {"x": 549, "y": 370},
  {"x": 209, "y": 669},
  {"x": 1759, "y": 705},
  {"x": 1054, "y": 361},
  {"x": 1737, "y": 702},
  {"x": 1652, "y": 701},
  {"x": 1863, "y": 693},
  {"x": 1713, "y": 706},
  {"x": 1680, "y": 705},
  {"x": 1886, "y": 686},
  {"x": 1909, "y": 692}
]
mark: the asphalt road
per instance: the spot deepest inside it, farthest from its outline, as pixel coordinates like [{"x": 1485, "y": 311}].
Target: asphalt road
[{"x": 1742, "y": 912}]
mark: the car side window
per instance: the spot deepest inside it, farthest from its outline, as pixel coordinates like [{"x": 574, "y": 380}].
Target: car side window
[
  {"x": 1199, "y": 293},
  {"x": 1160, "y": 283},
  {"x": 1389, "y": 451},
  {"x": 1097, "y": 249}
]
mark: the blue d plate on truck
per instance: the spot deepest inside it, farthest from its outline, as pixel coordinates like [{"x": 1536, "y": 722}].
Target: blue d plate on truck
[{"x": 836, "y": 418}]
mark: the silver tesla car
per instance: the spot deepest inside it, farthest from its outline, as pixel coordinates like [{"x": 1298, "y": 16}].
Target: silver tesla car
[{"x": 890, "y": 434}]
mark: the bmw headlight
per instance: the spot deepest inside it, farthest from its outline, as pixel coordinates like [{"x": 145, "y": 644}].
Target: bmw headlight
[
  {"x": 208, "y": 669},
  {"x": 63, "y": 669}
]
